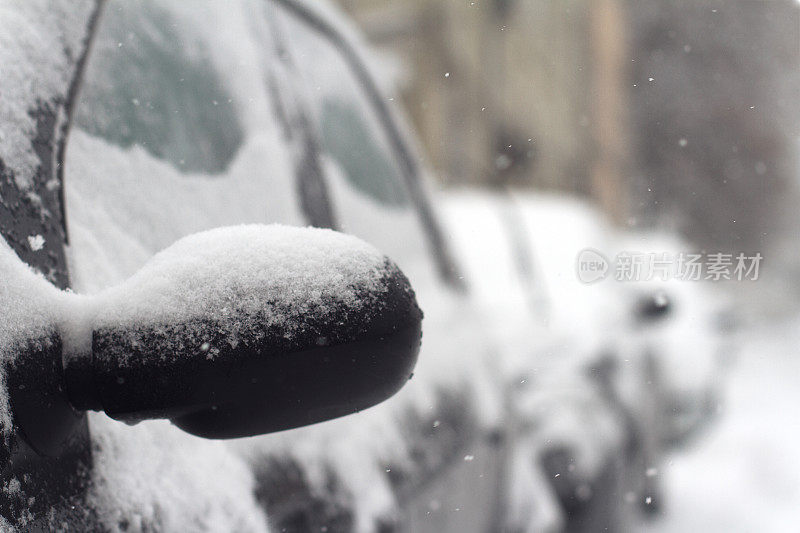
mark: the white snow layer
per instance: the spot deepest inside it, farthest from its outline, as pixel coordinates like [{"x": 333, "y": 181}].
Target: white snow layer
[
  {"x": 153, "y": 476},
  {"x": 745, "y": 475},
  {"x": 39, "y": 43},
  {"x": 230, "y": 274},
  {"x": 31, "y": 307}
]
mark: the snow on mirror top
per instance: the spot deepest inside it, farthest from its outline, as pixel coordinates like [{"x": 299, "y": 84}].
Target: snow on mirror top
[
  {"x": 239, "y": 276},
  {"x": 233, "y": 274}
]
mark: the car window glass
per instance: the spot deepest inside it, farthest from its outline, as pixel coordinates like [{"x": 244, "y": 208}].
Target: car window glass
[
  {"x": 347, "y": 127},
  {"x": 352, "y": 143},
  {"x": 125, "y": 202},
  {"x": 152, "y": 84},
  {"x": 369, "y": 194}
]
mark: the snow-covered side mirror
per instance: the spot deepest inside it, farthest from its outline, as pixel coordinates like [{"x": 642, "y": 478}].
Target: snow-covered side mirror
[
  {"x": 245, "y": 330},
  {"x": 653, "y": 307}
]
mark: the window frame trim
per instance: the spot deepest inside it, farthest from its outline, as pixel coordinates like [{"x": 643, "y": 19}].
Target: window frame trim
[{"x": 409, "y": 165}]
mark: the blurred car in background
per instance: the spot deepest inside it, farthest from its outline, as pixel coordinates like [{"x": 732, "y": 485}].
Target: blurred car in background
[
  {"x": 624, "y": 371},
  {"x": 186, "y": 117}
]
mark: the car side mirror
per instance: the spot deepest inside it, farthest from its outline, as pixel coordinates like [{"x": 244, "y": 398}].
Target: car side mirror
[
  {"x": 653, "y": 308},
  {"x": 242, "y": 331}
]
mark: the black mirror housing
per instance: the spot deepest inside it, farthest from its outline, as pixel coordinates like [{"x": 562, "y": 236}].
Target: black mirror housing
[
  {"x": 266, "y": 382},
  {"x": 243, "y": 331},
  {"x": 653, "y": 308}
]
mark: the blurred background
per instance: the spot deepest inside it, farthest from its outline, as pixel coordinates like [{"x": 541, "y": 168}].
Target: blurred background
[
  {"x": 671, "y": 114},
  {"x": 664, "y": 115}
]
